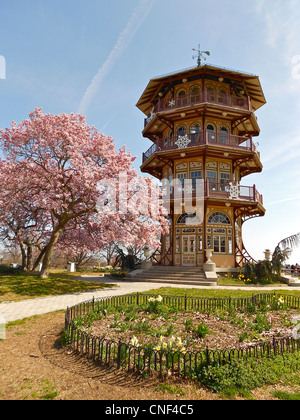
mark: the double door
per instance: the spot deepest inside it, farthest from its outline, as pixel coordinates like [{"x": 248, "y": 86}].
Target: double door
[{"x": 188, "y": 255}]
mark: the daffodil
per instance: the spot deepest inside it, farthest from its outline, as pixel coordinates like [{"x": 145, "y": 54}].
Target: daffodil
[{"x": 135, "y": 341}]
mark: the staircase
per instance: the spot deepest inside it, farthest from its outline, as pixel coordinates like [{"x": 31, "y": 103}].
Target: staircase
[{"x": 175, "y": 275}]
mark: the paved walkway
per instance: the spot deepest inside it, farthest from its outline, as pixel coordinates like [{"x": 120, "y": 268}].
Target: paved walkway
[{"x": 12, "y": 311}]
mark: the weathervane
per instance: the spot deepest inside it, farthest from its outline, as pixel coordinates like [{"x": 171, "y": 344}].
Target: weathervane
[{"x": 200, "y": 54}]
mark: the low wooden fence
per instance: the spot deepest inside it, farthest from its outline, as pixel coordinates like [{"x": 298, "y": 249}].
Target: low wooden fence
[{"x": 143, "y": 359}]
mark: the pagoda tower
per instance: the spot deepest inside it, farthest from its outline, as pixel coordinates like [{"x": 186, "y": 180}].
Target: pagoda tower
[{"x": 202, "y": 122}]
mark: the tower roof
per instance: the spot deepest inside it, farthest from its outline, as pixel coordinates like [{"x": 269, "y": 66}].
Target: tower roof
[{"x": 250, "y": 82}]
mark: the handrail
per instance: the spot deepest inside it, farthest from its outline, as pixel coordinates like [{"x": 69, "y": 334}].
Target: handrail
[
  {"x": 204, "y": 96},
  {"x": 202, "y": 138}
]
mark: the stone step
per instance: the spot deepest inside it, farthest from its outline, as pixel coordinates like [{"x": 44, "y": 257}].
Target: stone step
[
  {"x": 182, "y": 279},
  {"x": 204, "y": 282},
  {"x": 175, "y": 275},
  {"x": 173, "y": 268},
  {"x": 175, "y": 272}
]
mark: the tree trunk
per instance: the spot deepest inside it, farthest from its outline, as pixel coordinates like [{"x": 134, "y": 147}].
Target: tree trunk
[
  {"x": 44, "y": 273},
  {"x": 39, "y": 259},
  {"x": 23, "y": 252},
  {"x": 29, "y": 257}
]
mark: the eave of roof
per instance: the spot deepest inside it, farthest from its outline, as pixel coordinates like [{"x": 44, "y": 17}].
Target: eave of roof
[{"x": 251, "y": 82}]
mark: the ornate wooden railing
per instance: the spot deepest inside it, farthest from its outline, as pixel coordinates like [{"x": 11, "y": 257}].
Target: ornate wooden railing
[{"x": 199, "y": 139}]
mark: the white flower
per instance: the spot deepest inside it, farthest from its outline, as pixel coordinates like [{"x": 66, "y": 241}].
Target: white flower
[{"x": 135, "y": 341}]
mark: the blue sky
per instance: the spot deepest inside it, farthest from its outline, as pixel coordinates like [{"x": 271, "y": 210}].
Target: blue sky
[{"x": 97, "y": 56}]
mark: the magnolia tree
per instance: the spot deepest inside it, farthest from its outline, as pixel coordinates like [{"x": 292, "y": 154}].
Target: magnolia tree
[
  {"x": 61, "y": 172},
  {"x": 21, "y": 224}
]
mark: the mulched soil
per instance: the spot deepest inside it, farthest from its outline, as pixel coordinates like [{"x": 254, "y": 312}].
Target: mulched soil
[{"x": 222, "y": 333}]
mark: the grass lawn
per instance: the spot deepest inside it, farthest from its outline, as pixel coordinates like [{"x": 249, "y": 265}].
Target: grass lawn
[
  {"x": 29, "y": 285},
  {"x": 214, "y": 293}
]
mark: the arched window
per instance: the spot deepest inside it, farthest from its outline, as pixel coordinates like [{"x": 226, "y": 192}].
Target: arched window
[
  {"x": 222, "y": 96},
  {"x": 224, "y": 135},
  {"x": 189, "y": 219},
  {"x": 171, "y": 138},
  {"x": 195, "y": 129},
  {"x": 181, "y": 98},
  {"x": 211, "y": 93},
  {"x": 219, "y": 218},
  {"x": 181, "y": 131},
  {"x": 195, "y": 94},
  {"x": 211, "y": 136},
  {"x": 168, "y": 140}
]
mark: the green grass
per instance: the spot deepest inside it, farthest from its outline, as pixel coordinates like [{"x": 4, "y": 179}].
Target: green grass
[
  {"x": 281, "y": 395},
  {"x": 29, "y": 285},
  {"x": 216, "y": 293}
]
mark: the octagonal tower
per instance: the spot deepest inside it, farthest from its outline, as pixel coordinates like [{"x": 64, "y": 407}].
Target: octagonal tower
[{"x": 201, "y": 122}]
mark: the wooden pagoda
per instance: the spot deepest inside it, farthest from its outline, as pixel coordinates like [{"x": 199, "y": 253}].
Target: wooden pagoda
[{"x": 202, "y": 124}]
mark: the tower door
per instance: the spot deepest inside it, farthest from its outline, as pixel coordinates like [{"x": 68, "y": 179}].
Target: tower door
[{"x": 188, "y": 251}]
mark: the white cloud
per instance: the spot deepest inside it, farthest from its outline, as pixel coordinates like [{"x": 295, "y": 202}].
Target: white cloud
[
  {"x": 137, "y": 18},
  {"x": 282, "y": 25}
]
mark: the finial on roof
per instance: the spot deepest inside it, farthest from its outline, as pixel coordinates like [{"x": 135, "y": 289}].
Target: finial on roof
[{"x": 200, "y": 54}]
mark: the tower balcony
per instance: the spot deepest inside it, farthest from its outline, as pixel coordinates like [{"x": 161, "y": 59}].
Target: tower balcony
[
  {"x": 231, "y": 194},
  {"x": 224, "y": 141},
  {"x": 205, "y": 96},
  {"x": 230, "y": 191}
]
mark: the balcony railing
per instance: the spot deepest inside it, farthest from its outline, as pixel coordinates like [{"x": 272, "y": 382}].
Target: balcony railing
[
  {"x": 210, "y": 189},
  {"x": 229, "y": 191},
  {"x": 205, "y": 96},
  {"x": 200, "y": 139}
]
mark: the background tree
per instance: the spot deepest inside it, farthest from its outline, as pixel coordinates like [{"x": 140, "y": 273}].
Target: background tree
[
  {"x": 62, "y": 167},
  {"x": 283, "y": 251}
]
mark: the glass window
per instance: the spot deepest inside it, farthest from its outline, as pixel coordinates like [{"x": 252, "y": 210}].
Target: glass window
[
  {"x": 177, "y": 244},
  {"x": 181, "y": 177},
  {"x": 192, "y": 244},
  {"x": 219, "y": 218},
  {"x": 211, "y": 136},
  {"x": 224, "y": 181},
  {"x": 200, "y": 243},
  {"x": 194, "y": 176},
  {"x": 195, "y": 94},
  {"x": 222, "y": 97},
  {"x": 185, "y": 244},
  {"x": 171, "y": 138},
  {"x": 224, "y": 135},
  {"x": 188, "y": 218},
  {"x": 212, "y": 178},
  {"x": 181, "y": 98},
  {"x": 220, "y": 244},
  {"x": 229, "y": 245},
  {"x": 194, "y": 131},
  {"x": 181, "y": 131},
  {"x": 211, "y": 93},
  {"x": 209, "y": 242}
]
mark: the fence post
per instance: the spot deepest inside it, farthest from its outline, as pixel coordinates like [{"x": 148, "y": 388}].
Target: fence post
[
  {"x": 274, "y": 346},
  {"x": 137, "y": 298},
  {"x": 119, "y": 355},
  {"x": 185, "y": 302},
  {"x": 207, "y": 356}
]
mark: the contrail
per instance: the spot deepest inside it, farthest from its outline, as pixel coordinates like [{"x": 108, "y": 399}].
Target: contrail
[{"x": 138, "y": 16}]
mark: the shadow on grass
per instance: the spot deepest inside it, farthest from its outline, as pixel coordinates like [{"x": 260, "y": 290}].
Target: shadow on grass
[{"x": 29, "y": 285}]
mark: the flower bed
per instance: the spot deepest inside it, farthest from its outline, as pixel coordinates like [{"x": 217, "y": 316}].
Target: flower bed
[{"x": 180, "y": 336}]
